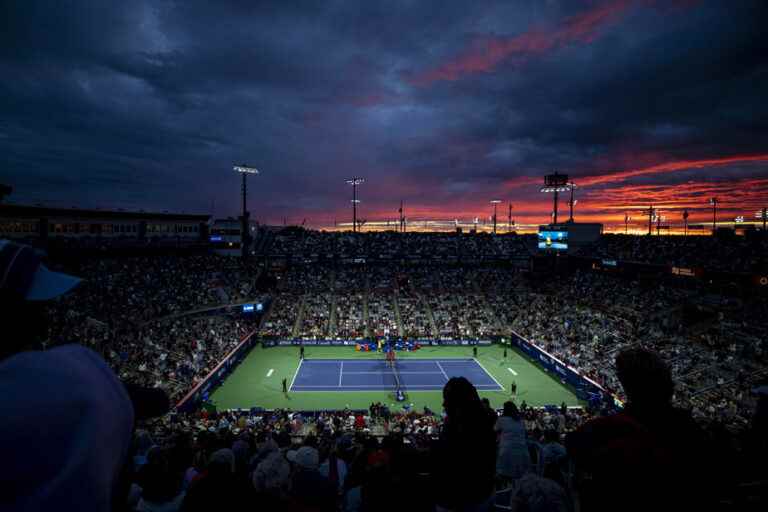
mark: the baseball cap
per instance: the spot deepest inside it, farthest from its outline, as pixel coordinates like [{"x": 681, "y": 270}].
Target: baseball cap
[
  {"x": 23, "y": 274},
  {"x": 66, "y": 427},
  {"x": 305, "y": 457}
]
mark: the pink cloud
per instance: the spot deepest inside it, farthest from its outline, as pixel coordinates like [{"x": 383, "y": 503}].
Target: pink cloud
[{"x": 487, "y": 53}]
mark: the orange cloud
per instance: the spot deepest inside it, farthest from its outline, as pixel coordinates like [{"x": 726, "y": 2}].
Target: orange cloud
[{"x": 669, "y": 167}]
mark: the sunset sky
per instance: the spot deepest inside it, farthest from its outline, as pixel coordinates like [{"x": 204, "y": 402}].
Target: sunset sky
[{"x": 444, "y": 105}]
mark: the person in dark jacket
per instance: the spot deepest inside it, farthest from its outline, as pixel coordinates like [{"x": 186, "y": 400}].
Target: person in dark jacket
[
  {"x": 464, "y": 457},
  {"x": 629, "y": 460}
]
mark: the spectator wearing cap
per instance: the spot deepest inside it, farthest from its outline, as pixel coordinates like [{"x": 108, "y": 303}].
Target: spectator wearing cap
[
  {"x": 271, "y": 479},
  {"x": 66, "y": 403},
  {"x": 309, "y": 490}
]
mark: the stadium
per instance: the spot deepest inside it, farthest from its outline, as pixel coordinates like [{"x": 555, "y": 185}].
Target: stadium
[
  {"x": 384, "y": 256},
  {"x": 322, "y": 333}
]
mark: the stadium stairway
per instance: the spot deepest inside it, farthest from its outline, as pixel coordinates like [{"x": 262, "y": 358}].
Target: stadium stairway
[
  {"x": 398, "y": 319},
  {"x": 430, "y": 315},
  {"x": 299, "y": 318},
  {"x": 333, "y": 316}
]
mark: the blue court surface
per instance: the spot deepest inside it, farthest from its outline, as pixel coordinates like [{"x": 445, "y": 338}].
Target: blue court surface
[{"x": 377, "y": 375}]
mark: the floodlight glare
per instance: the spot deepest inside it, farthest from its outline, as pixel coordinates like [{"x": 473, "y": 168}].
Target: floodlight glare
[{"x": 246, "y": 169}]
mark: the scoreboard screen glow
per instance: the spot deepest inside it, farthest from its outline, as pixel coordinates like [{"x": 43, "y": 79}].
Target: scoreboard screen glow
[{"x": 553, "y": 240}]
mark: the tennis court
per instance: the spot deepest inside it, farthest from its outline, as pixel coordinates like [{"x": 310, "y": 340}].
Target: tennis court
[{"x": 379, "y": 375}]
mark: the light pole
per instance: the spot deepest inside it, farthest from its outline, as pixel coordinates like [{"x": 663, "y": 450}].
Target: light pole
[
  {"x": 509, "y": 219},
  {"x": 650, "y": 212},
  {"x": 495, "y": 203},
  {"x": 245, "y": 237},
  {"x": 571, "y": 202},
  {"x": 354, "y": 182},
  {"x": 714, "y": 202},
  {"x": 627, "y": 218},
  {"x": 685, "y": 222},
  {"x": 555, "y": 183}
]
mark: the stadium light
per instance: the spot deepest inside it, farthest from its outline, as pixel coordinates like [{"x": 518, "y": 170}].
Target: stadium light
[
  {"x": 555, "y": 183},
  {"x": 627, "y": 218},
  {"x": 354, "y": 182},
  {"x": 495, "y": 203},
  {"x": 651, "y": 214},
  {"x": 245, "y": 236},
  {"x": 714, "y": 202},
  {"x": 572, "y": 202}
]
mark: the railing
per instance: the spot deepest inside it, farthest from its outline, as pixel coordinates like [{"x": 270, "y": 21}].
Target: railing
[
  {"x": 216, "y": 375},
  {"x": 566, "y": 374}
]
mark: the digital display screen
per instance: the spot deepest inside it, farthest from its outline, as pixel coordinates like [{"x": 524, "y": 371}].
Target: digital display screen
[
  {"x": 553, "y": 240},
  {"x": 215, "y": 238},
  {"x": 248, "y": 308}
]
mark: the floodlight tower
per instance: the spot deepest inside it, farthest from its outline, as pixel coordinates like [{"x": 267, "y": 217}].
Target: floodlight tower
[
  {"x": 713, "y": 201},
  {"x": 762, "y": 214},
  {"x": 651, "y": 213},
  {"x": 354, "y": 182},
  {"x": 509, "y": 219},
  {"x": 685, "y": 222},
  {"x": 245, "y": 237},
  {"x": 555, "y": 183},
  {"x": 627, "y": 218},
  {"x": 572, "y": 202},
  {"x": 495, "y": 203}
]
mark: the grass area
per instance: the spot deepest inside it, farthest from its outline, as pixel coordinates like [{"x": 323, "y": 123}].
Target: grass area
[{"x": 257, "y": 381}]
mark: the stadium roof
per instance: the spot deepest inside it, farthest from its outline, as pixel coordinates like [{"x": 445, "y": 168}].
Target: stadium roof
[{"x": 23, "y": 211}]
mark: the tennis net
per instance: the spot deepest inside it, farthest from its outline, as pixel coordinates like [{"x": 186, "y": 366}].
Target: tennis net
[{"x": 396, "y": 373}]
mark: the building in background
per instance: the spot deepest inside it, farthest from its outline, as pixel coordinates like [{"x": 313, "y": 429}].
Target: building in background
[{"x": 37, "y": 224}]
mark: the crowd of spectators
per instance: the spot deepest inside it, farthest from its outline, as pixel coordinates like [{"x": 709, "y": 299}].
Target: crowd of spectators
[
  {"x": 346, "y": 460},
  {"x": 128, "y": 309},
  {"x": 720, "y": 354},
  {"x": 725, "y": 253},
  {"x": 706, "y": 350},
  {"x": 311, "y": 246},
  {"x": 149, "y": 316}
]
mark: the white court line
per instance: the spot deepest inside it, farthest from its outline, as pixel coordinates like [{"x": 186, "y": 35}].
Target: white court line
[
  {"x": 392, "y": 373},
  {"x": 443, "y": 371},
  {"x": 270, "y": 372},
  {"x": 341, "y": 372},
  {"x": 489, "y": 373},
  {"x": 295, "y": 374},
  {"x": 436, "y": 387},
  {"x": 513, "y": 371}
]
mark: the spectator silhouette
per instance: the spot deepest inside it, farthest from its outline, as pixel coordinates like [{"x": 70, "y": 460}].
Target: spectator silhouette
[
  {"x": 67, "y": 421},
  {"x": 215, "y": 487},
  {"x": 463, "y": 458},
  {"x": 513, "y": 460},
  {"x": 650, "y": 450}
]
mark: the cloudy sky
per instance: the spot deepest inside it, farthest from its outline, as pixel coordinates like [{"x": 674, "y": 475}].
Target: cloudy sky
[{"x": 445, "y": 105}]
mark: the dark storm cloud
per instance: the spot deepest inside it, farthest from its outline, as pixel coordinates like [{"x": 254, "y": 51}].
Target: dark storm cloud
[{"x": 147, "y": 104}]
